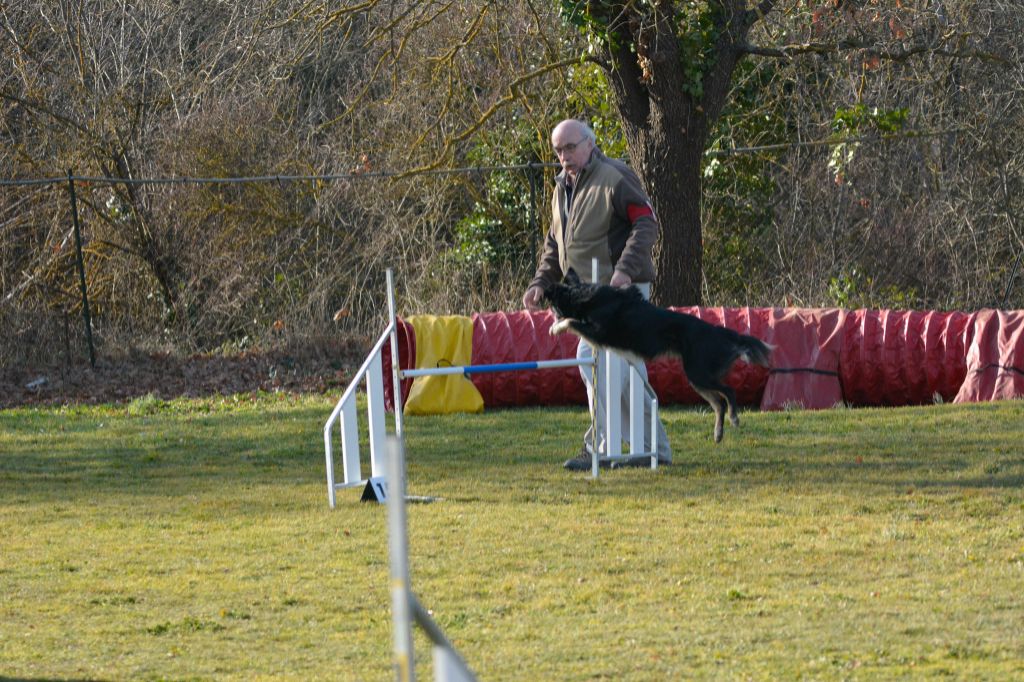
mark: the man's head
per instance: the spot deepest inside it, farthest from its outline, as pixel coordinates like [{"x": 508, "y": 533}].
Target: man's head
[{"x": 573, "y": 142}]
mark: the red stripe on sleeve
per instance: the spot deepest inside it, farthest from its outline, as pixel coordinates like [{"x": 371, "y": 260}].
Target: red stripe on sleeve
[{"x": 638, "y": 211}]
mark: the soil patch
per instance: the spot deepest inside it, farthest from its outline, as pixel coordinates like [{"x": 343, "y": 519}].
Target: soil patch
[{"x": 165, "y": 376}]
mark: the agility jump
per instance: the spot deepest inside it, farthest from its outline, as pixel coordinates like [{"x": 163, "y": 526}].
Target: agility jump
[{"x": 608, "y": 370}]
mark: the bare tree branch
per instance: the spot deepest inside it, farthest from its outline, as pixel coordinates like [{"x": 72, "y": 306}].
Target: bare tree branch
[
  {"x": 510, "y": 96},
  {"x": 867, "y": 48}
]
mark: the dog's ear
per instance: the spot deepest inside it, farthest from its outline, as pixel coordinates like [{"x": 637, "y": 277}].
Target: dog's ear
[{"x": 571, "y": 277}]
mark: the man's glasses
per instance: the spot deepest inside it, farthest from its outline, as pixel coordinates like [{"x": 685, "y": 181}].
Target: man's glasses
[{"x": 568, "y": 148}]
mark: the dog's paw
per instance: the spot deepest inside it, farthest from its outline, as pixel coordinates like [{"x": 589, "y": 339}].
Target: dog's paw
[{"x": 559, "y": 327}]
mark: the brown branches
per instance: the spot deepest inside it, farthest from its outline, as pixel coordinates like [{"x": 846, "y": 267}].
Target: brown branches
[
  {"x": 869, "y": 48},
  {"x": 509, "y": 97}
]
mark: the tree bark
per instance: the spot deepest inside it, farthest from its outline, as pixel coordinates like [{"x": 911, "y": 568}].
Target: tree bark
[
  {"x": 668, "y": 161},
  {"x": 676, "y": 192},
  {"x": 667, "y": 130}
]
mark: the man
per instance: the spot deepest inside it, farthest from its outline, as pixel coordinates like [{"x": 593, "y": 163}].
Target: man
[{"x": 599, "y": 210}]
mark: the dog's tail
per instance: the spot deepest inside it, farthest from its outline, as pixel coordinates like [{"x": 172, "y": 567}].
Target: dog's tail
[{"x": 754, "y": 351}]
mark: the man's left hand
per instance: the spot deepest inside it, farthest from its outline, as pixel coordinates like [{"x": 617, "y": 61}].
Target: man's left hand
[{"x": 620, "y": 280}]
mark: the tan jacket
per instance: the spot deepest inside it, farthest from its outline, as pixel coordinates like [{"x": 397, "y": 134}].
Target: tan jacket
[{"x": 597, "y": 225}]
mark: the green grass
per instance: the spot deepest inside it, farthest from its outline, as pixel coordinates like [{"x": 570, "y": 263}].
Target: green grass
[{"x": 192, "y": 540}]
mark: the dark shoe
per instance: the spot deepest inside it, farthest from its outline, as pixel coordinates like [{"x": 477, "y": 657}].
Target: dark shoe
[
  {"x": 582, "y": 462},
  {"x": 638, "y": 463}
]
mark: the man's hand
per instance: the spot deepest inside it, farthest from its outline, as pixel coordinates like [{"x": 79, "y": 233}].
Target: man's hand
[
  {"x": 620, "y": 280},
  {"x": 532, "y": 298}
]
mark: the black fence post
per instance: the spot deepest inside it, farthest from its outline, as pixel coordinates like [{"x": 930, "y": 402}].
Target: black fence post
[
  {"x": 1009, "y": 282},
  {"x": 532, "y": 171},
  {"x": 81, "y": 269}
]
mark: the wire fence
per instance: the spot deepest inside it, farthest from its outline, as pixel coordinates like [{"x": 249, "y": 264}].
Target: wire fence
[
  {"x": 74, "y": 182},
  {"x": 532, "y": 166}
]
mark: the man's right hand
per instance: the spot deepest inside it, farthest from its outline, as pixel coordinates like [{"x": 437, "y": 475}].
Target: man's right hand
[{"x": 532, "y": 298}]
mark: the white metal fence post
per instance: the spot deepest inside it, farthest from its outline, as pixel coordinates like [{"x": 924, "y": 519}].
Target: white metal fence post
[{"x": 396, "y": 370}]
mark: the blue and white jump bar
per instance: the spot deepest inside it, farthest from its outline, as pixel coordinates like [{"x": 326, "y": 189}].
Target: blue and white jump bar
[{"x": 485, "y": 369}]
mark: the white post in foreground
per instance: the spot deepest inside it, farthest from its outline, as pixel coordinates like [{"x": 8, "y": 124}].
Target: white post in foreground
[
  {"x": 405, "y": 608},
  {"x": 398, "y": 549}
]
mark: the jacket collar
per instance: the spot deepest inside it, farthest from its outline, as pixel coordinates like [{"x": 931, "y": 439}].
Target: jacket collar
[{"x": 596, "y": 157}]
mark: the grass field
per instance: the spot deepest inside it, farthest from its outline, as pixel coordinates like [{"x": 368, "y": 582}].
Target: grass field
[{"x": 192, "y": 540}]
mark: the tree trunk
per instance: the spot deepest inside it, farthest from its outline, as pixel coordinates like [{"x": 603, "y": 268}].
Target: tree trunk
[
  {"x": 667, "y": 130},
  {"x": 672, "y": 175},
  {"x": 665, "y": 135}
]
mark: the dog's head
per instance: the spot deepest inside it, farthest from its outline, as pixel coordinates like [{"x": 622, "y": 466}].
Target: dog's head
[{"x": 568, "y": 298}]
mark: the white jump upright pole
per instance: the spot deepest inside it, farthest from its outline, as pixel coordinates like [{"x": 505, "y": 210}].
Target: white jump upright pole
[
  {"x": 636, "y": 412},
  {"x": 613, "y": 404},
  {"x": 608, "y": 435},
  {"x": 396, "y": 371}
]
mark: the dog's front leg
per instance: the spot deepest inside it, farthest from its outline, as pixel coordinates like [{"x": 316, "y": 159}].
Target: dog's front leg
[{"x": 560, "y": 327}]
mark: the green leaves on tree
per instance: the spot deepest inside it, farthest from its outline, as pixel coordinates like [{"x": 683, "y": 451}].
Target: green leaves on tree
[{"x": 609, "y": 26}]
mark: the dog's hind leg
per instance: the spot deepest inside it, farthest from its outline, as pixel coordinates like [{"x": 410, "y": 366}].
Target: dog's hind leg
[
  {"x": 714, "y": 399},
  {"x": 730, "y": 398}
]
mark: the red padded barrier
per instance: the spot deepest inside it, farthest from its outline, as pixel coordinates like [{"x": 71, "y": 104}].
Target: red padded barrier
[
  {"x": 861, "y": 346},
  {"x": 805, "y": 358},
  {"x": 947, "y": 338},
  {"x": 821, "y": 357},
  {"x": 406, "y": 359},
  {"x": 995, "y": 360},
  {"x": 522, "y": 337},
  {"x": 903, "y": 357}
]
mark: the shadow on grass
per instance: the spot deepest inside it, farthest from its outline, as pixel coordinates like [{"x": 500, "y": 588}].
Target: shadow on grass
[
  {"x": 62, "y": 458},
  {"x": 500, "y": 455},
  {"x": 49, "y": 679},
  {"x": 485, "y": 482}
]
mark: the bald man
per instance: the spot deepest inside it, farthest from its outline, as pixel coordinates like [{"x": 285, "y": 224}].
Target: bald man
[{"x": 599, "y": 210}]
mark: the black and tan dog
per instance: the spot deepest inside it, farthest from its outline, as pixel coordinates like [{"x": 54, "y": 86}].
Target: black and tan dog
[{"x": 621, "y": 319}]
